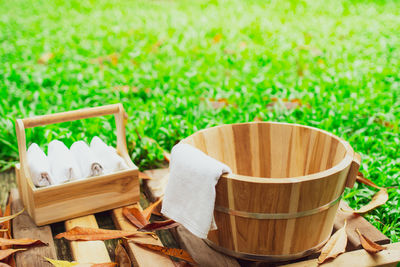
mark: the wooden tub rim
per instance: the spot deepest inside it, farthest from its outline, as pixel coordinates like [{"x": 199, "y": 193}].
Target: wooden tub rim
[{"x": 344, "y": 163}]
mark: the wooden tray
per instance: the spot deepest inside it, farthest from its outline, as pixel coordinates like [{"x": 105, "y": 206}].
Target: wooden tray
[{"x": 65, "y": 201}]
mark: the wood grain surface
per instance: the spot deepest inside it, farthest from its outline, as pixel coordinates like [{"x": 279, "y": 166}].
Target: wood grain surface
[
  {"x": 140, "y": 256},
  {"x": 80, "y": 197},
  {"x": 201, "y": 252},
  {"x": 24, "y": 227},
  {"x": 357, "y": 221},
  {"x": 359, "y": 258},
  {"x": 87, "y": 251},
  {"x": 277, "y": 168}
]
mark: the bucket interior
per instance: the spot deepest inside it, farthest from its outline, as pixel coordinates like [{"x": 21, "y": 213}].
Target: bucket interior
[{"x": 270, "y": 150}]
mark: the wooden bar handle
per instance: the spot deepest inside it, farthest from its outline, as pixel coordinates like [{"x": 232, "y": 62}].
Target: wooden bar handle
[
  {"x": 352, "y": 175},
  {"x": 71, "y": 115}
]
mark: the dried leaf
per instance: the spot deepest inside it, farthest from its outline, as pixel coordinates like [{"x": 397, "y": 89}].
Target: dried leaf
[
  {"x": 150, "y": 209},
  {"x": 174, "y": 252},
  {"x": 45, "y": 58},
  {"x": 10, "y": 217},
  {"x": 135, "y": 216},
  {"x": 378, "y": 199},
  {"x": 361, "y": 179},
  {"x": 89, "y": 234},
  {"x": 160, "y": 225},
  {"x": 167, "y": 156},
  {"x": 369, "y": 245},
  {"x": 60, "y": 263},
  {"x": 288, "y": 104},
  {"x": 106, "y": 264},
  {"x": 335, "y": 246},
  {"x": 121, "y": 256},
  {"x": 21, "y": 242},
  {"x": 217, "y": 38},
  {"x": 7, "y": 224},
  {"x": 218, "y": 103},
  {"x": 11, "y": 261},
  {"x": 182, "y": 264},
  {"x": 242, "y": 45},
  {"x": 3, "y": 230},
  {"x": 4, "y": 253},
  {"x": 384, "y": 123},
  {"x": 112, "y": 58}
]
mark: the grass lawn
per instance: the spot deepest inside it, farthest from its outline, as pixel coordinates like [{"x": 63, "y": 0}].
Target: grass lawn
[{"x": 169, "y": 62}]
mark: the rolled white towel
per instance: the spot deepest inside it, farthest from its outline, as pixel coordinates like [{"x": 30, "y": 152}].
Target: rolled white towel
[
  {"x": 39, "y": 166},
  {"x": 63, "y": 165},
  {"x": 107, "y": 156},
  {"x": 86, "y": 159}
]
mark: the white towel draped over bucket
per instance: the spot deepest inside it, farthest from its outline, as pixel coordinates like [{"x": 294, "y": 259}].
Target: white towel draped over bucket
[
  {"x": 63, "y": 165},
  {"x": 107, "y": 156},
  {"x": 86, "y": 159},
  {"x": 39, "y": 166},
  {"x": 190, "y": 193}
]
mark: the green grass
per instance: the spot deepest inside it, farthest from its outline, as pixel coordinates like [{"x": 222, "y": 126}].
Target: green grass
[{"x": 341, "y": 58}]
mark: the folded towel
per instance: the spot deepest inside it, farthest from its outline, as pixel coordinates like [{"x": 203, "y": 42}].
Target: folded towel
[
  {"x": 107, "y": 156},
  {"x": 63, "y": 165},
  {"x": 190, "y": 193},
  {"x": 39, "y": 166},
  {"x": 86, "y": 159}
]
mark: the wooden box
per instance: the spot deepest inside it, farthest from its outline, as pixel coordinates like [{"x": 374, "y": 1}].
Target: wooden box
[{"x": 76, "y": 198}]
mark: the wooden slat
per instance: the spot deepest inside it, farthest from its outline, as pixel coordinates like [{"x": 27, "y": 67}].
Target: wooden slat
[
  {"x": 87, "y": 251},
  {"x": 360, "y": 258},
  {"x": 24, "y": 227},
  {"x": 356, "y": 221},
  {"x": 201, "y": 252},
  {"x": 140, "y": 256}
]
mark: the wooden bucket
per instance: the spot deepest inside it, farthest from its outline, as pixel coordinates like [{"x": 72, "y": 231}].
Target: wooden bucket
[{"x": 281, "y": 199}]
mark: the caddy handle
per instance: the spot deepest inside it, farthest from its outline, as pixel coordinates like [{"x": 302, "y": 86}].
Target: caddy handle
[
  {"x": 353, "y": 171},
  {"x": 71, "y": 115},
  {"x": 116, "y": 109}
]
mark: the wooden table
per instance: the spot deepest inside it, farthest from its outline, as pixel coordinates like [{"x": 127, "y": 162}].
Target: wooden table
[{"x": 99, "y": 251}]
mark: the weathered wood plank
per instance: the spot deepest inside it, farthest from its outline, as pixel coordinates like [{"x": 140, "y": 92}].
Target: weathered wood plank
[
  {"x": 7, "y": 182},
  {"x": 140, "y": 256},
  {"x": 360, "y": 258},
  {"x": 201, "y": 252},
  {"x": 24, "y": 227},
  {"x": 87, "y": 251},
  {"x": 356, "y": 221},
  {"x": 105, "y": 221},
  {"x": 151, "y": 185}
]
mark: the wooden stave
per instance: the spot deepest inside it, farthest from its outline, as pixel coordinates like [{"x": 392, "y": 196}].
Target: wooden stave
[{"x": 336, "y": 175}]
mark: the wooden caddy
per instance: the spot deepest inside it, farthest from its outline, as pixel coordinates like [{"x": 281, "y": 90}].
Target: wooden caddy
[{"x": 77, "y": 198}]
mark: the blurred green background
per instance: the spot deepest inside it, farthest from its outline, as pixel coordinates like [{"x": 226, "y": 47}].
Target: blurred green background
[{"x": 180, "y": 66}]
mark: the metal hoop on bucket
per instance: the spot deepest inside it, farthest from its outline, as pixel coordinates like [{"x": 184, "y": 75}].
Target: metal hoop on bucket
[
  {"x": 276, "y": 216},
  {"x": 256, "y": 257}
]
